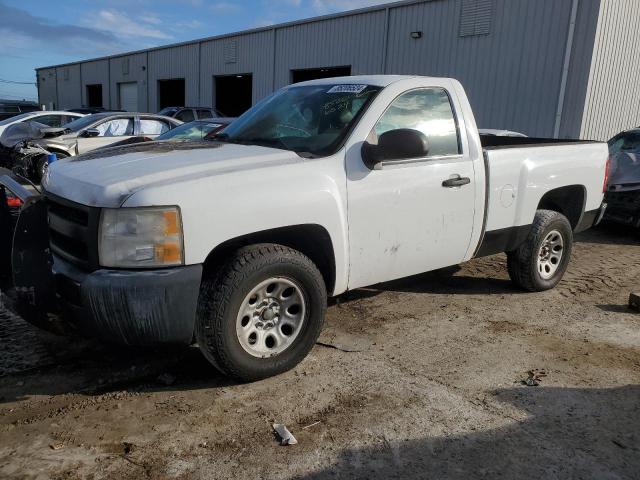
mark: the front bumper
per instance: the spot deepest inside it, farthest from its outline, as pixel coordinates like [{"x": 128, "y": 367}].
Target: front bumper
[
  {"x": 149, "y": 307},
  {"x": 130, "y": 307}
]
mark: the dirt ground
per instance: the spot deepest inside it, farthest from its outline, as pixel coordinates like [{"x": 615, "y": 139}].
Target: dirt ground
[{"x": 432, "y": 390}]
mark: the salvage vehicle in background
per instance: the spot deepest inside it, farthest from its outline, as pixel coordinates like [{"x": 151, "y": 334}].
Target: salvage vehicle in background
[
  {"x": 90, "y": 110},
  {"x": 193, "y": 131},
  {"x": 102, "y": 129},
  {"x": 623, "y": 192},
  {"x": 18, "y": 151},
  {"x": 500, "y": 133},
  {"x": 189, "y": 114},
  {"x": 325, "y": 186},
  {"x": 49, "y": 118},
  {"x": 10, "y": 108}
]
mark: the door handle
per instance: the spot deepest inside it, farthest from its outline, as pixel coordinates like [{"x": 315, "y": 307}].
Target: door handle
[{"x": 457, "y": 181}]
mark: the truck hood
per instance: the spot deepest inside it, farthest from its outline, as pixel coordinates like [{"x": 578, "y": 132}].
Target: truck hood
[{"x": 106, "y": 178}]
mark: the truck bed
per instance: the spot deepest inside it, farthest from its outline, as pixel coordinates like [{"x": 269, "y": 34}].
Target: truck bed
[{"x": 493, "y": 142}]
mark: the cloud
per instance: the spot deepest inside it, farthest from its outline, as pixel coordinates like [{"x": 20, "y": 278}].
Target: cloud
[
  {"x": 150, "y": 18},
  {"x": 225, "y": 8},
  {"x": 114, "y": 22},
  {"x": 25, "y": 25},
  {"x": 326, "y": 6}
]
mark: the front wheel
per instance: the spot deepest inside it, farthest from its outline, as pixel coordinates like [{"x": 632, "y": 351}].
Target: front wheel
[
  {"x": 541, "y": 261},
  {"x": 262, "y": 313},
  {"x": 42, "y": 165}
]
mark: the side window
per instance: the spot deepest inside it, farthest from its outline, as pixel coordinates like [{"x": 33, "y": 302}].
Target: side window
[
  {"x": 149, "y": 126},
  {"x": 186, "y": 116},
  {"x": 118, "y": 127},
  {"x": 49, "y": 120},
  {"x": 67, "y": 119},
  {"x": 429, "y": 111},
  {"x": 203, "y": 113}
]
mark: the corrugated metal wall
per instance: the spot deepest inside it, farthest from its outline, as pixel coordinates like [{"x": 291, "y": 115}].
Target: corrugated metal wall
[
  {"x": 613, "y": 95},
  {"x": 253, "y": 54},
  {"x": 68, "y": 83},
  {"x": 47, "y": 88},
  {"x": 579, "y": 66},
  {"x": 128, "y": 68},
  {"x": 171, "y": 63},
  {"x": 356, "y": 40},
  {"x": 512, "y": 75},
  {"x": 94, "y": 73}
]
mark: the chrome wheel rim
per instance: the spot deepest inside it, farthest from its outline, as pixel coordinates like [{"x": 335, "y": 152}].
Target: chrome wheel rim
[
  {"x": 550, "y": 254},
  {"x": 271, "y": 317}
]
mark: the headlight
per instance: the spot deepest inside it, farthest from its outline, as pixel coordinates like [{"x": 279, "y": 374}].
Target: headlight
[{"x": 141, "y": 237}]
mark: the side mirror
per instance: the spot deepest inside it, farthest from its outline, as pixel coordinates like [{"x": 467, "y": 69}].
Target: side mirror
[
  {"x": 399, "y": 144},
  {"x": 91, "y": 132}
]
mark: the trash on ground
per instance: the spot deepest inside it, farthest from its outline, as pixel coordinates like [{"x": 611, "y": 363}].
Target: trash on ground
[
  {"x": 56, "y": 446},
  {"x": 634, "y": 301},
  {"x": 286, "y": 437},
  {"x": 312, "y": 425},
  {"x": 535, "y": 377}
]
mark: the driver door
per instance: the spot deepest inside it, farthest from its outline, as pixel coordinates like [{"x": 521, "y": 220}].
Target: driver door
[
  {"x": 403, "y": 220},
  {"x": 110, "y": 131}
]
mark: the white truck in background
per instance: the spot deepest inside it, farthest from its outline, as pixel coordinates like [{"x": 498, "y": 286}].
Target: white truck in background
[{"x": 323, "y": 187}]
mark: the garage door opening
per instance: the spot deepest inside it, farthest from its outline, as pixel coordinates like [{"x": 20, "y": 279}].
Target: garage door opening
[
  {"x": 316, "y": 73},
  {"x": 128, "y": 96},
  {"x": 171, "y": 93},
  {"x": 234, "y": 94},
  {"x": 94, "y": 95}
]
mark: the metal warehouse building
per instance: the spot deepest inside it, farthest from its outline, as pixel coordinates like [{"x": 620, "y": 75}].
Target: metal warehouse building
[{"x": 563, "y": 68}]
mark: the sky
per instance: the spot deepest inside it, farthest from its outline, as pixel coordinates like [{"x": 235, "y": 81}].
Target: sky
[{"x": 39, "y": 33}]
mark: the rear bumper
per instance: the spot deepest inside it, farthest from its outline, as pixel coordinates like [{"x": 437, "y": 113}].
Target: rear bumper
[
  {"x": 624, "y": 207},
  {"x": 150, "y": 307}
]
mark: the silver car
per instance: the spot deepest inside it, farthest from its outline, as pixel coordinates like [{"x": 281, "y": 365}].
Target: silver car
[{"x": 102, "y": 129}]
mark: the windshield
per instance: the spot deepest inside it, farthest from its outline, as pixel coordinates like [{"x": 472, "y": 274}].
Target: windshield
[
  {"x": 82, "y": 122},
  {"x": 190, "y": 131},
  {"x": 168, "y": 111},
  {"x": 16, "y": 118},
  {"x": 312, "y": 119}
]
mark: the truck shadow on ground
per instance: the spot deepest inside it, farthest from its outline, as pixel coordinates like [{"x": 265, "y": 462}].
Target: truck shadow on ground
[
  {"x": 93, "y": 369},
  {"x": 449, "y": 281},
  {"x": 608, "y": 233},
  {"x": 569, "y": 433}
]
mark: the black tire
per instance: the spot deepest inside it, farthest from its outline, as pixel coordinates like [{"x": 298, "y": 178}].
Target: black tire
[
  {"x": 522, "y": 263},
  {"x": 223, "y": 292},
  {"x": 42, "y": 165}
]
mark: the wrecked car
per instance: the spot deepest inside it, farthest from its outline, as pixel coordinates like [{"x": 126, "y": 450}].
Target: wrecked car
[
  {"x": 323, "y": 187},
  {"x": 196, "y": 130},
  {"x": 623, "y": 192},
  {"x": 19, "y": 150},
  {"x": 102, "y": 129}
]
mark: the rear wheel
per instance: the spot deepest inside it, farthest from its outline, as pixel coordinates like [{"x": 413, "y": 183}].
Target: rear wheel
[
  {"x": 541, "y": 261},
  {"x": 261, "y": 313}
]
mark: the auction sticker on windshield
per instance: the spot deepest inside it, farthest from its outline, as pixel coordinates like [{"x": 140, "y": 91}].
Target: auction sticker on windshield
[{"x": 347, "y": 89}]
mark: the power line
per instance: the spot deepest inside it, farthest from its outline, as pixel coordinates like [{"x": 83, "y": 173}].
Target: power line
[{"x": 2, "y": 80}]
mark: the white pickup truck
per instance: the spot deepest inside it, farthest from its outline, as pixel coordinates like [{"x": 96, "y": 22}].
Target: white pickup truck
[{"x": 323, "y": 187}]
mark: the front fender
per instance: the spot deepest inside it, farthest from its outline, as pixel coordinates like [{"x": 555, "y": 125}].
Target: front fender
[{"x": 223, "y": 207}]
